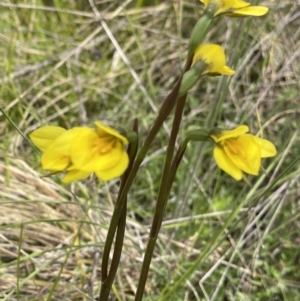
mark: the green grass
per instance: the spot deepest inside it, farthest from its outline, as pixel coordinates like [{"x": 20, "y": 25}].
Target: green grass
[{"x": 60, "y": 67}]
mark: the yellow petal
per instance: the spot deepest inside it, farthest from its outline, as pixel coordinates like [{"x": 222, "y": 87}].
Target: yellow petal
[
  {"x": 81, "y": 149},
  {"x": 244, "y": 152},
  {"x": 221, "y": 135},
  {"x": 267, "y": 148},
  {"x": 210, "y": 54},
  {"x": 85, "y": 154},
  {"x": 214, "y": 57},
  {"x": 222, "y": 6},
  {"x": 238, "y": 4},
  {"x": 105, "y": 161},
  {"x": 235, "y": 8},
  {"x": 74, "y": 175},
  {"x": 227, "y": 71},
  {"x": 225, "y": 5},
  {"x": 54, "y": 161},
  {"x": 104, "y": 130},
  {"x": 63, "y": 143},
  {"x": 45, "y": 136},
  {"x": 255, "y": 11},
  {"x": 226, "y": 164},
  {"x": 115, "y": 171}
]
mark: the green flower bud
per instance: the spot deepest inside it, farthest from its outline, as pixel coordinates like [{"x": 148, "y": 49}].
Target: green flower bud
[
  {"x": 191, "y": 77},
  {"x": 199, "y": 32},
  {"x": 198, "y": 135}
]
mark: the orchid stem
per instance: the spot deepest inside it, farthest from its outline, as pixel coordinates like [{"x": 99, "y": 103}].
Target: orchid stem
[
  {"x": 106, "y": 285},
  {"x": 165, "y": 110},
  {"x": 161, "y": 199}
]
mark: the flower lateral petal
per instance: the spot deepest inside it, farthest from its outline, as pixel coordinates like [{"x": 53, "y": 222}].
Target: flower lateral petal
[
  {"x": 63, "y": 143},
  {"x": 226, "y": 134},
  {"x": 81, "y": 148},
  {"x": 245, "y": 153},
  {"x": 115, "y": 171},
  {"x": 214, "y": 57},
  {"x": 43, "y": 137},
  {"x": 234, "y": 8},
  {"x": 75, "y": 175},
  {"x": 225, "y": 5},
  {"x": 267, "y": 148},
  {"x": 53, "y": 160},
  {"x": 255, "y": 11},
  {"x": 226, "y": 164},
  {"x": 227, "y": 71},
  {"x": 238, "y": 4},
  {"x": 104, "y": 130}
]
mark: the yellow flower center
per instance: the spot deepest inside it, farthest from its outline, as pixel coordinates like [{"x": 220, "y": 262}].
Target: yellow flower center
[
  {"x": 235, "y": 147},
  {"x": 103, "y": 145},
  {"x": 63, "y": 158}
]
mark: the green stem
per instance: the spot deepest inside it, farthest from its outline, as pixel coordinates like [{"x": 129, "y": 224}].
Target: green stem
[
  {"x": 161, "y": 199},
  {"x": 107, "y": 280},
  {"x": 107, "y": 284},
  {"x": 158, "y": 215},
  {"x": 199, "y": 135},
  {"x": 176, "y": 161},
  {"x": 132, "y": 150},
  {"x": 165, "y": 110}
]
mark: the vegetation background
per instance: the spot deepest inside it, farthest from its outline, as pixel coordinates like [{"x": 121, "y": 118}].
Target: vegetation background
[{"x": 69, "y": 63}]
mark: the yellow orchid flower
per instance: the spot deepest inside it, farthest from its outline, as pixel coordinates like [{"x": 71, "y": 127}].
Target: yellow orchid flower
[
  {"x": 235, "y": 8},
  {"x": 236, "y": 152},
  {"x": 214, "y": 57},
  {"x": 100, "y": 151},
  {"x": 62, "y": 151}
]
